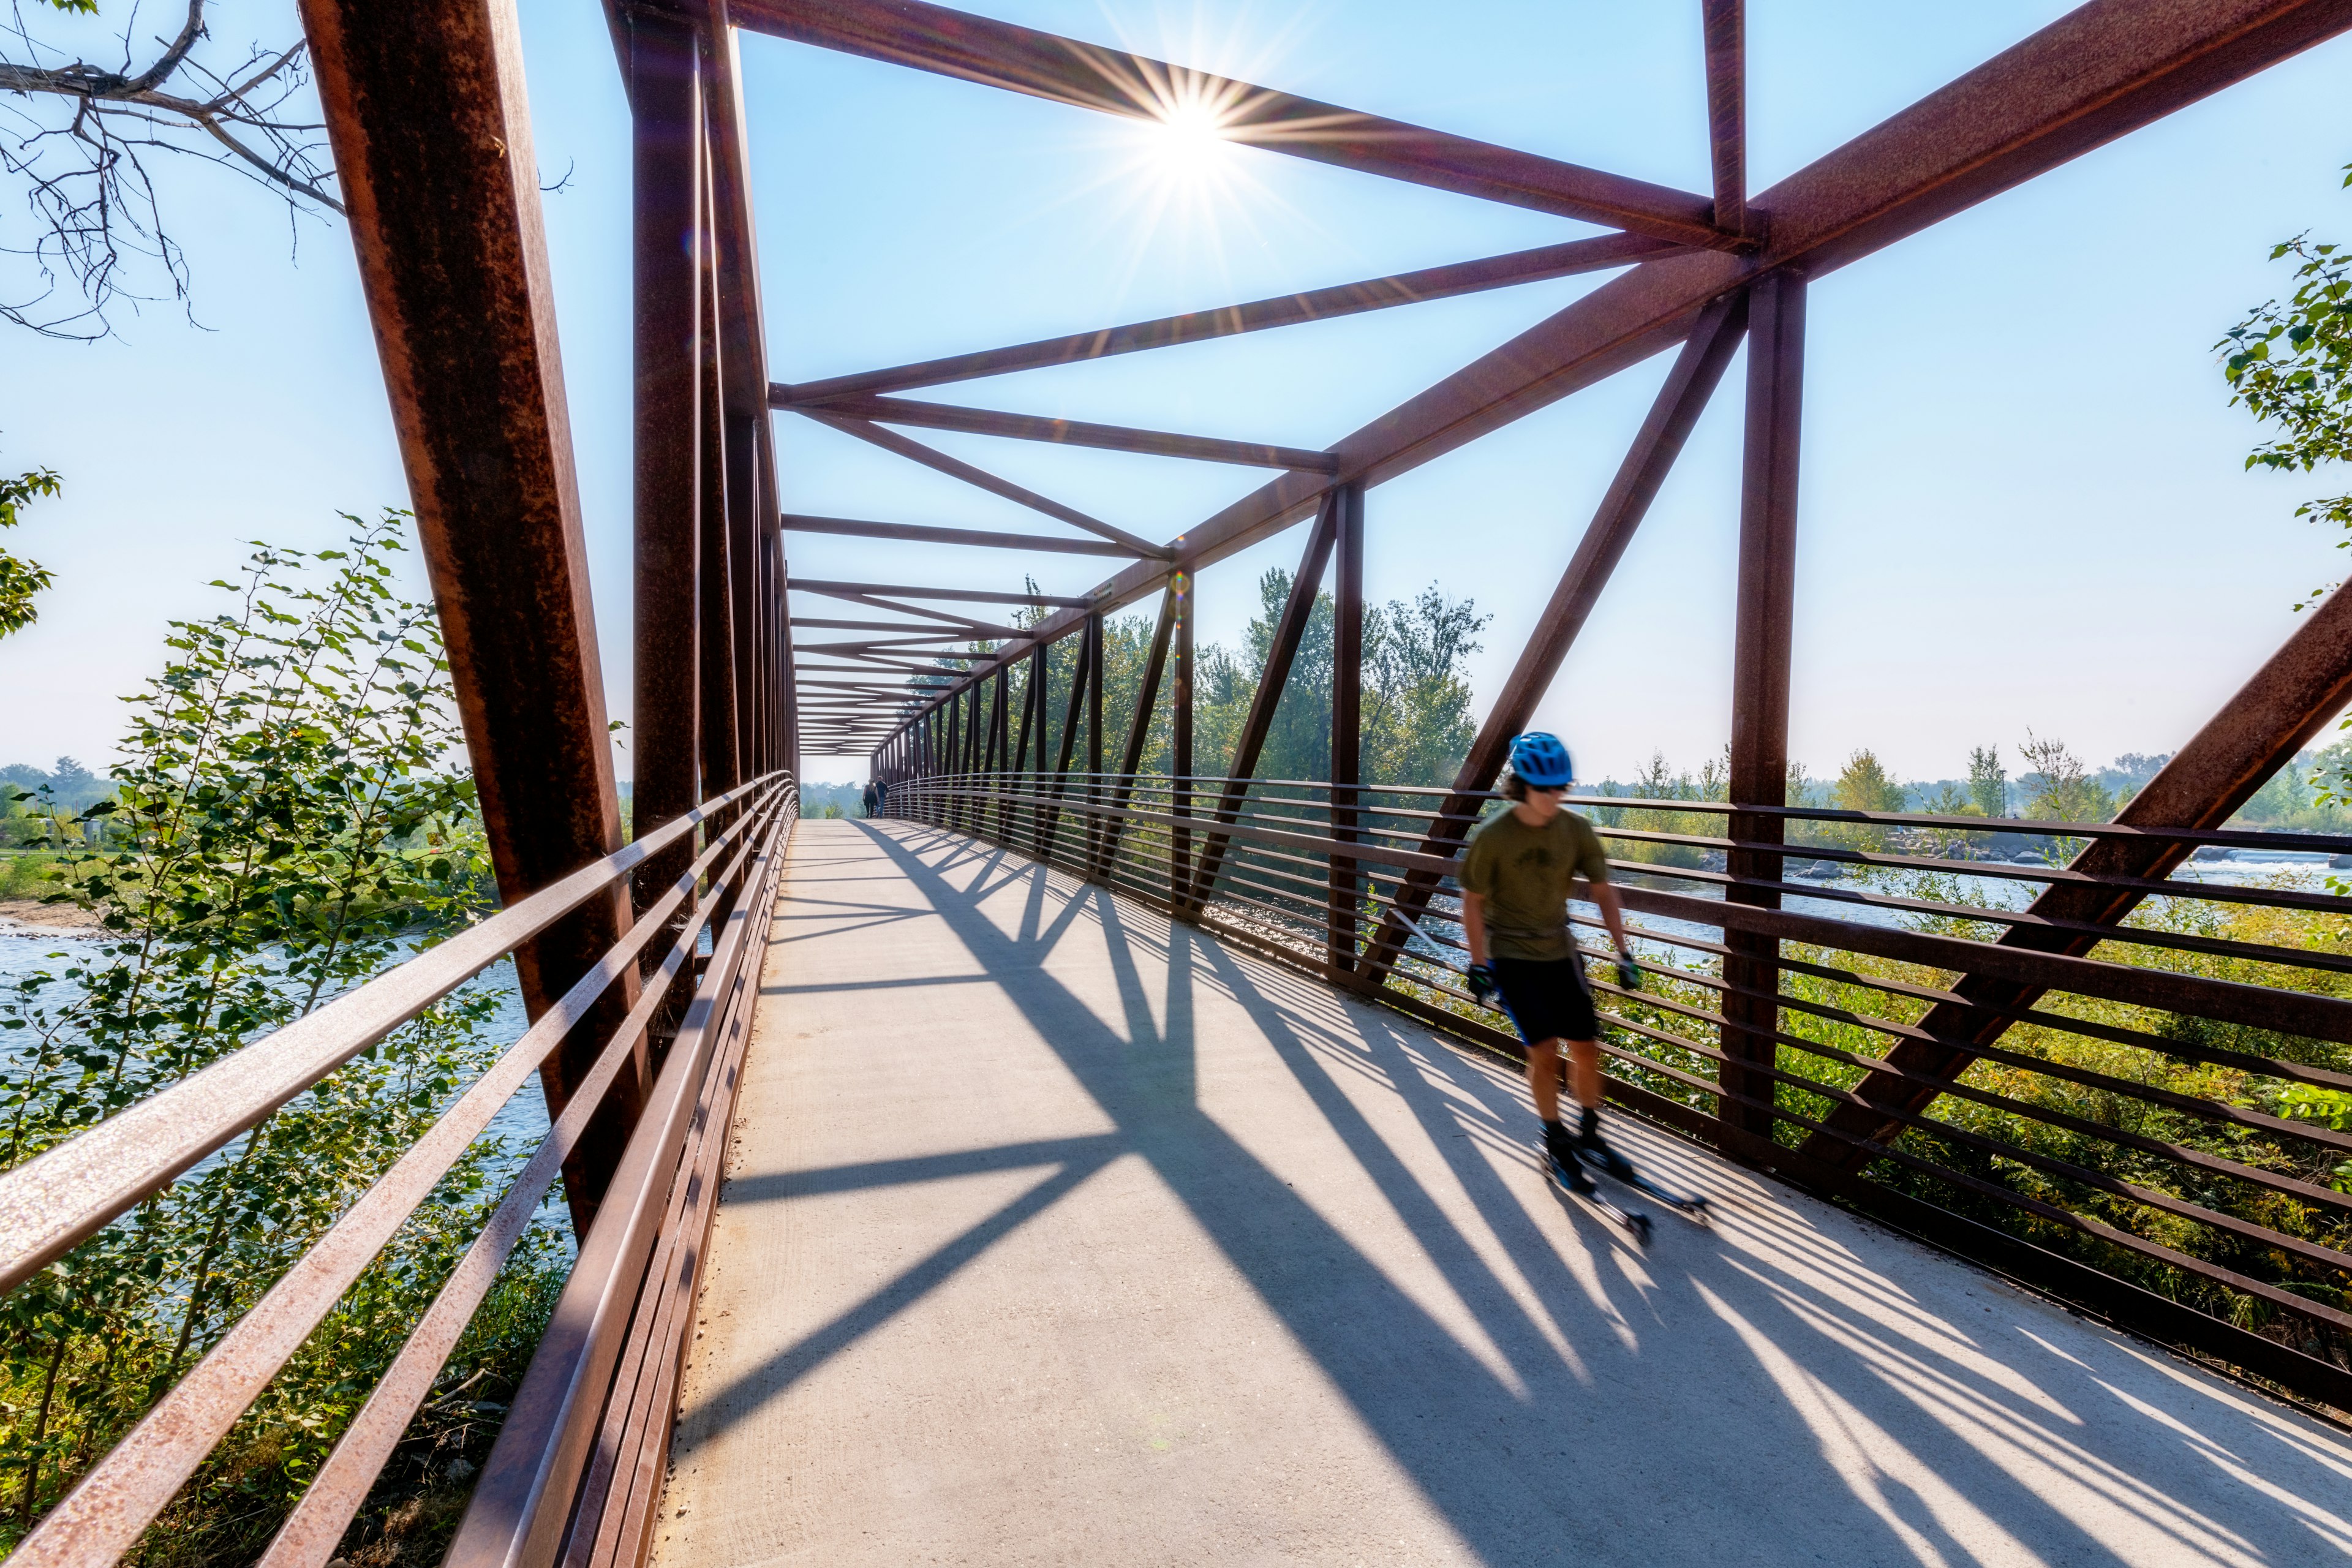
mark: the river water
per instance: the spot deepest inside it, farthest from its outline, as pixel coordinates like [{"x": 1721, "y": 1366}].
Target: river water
[{"x": 26, "y": 949}]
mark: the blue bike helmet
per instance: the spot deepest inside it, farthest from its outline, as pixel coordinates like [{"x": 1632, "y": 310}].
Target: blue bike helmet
[{"x": 1540, "y": 761}]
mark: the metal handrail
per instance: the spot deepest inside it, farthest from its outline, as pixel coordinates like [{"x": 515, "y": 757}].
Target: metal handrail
[
  {"x": 113, "y": 1503},
  {"x": 1296, "y": 893}
]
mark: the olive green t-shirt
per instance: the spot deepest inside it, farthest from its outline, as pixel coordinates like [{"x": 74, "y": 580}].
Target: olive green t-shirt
[{"x": 1524, "y": 873}]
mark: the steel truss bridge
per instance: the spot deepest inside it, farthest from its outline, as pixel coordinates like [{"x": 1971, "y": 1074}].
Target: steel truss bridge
[{"x": 1289, "y": 934}]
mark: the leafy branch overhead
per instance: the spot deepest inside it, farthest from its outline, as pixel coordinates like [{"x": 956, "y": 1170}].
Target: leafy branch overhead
[
  {"x": 21, "y": 579},
  {"x": 2291, "y": 366},
  {"x": 81, "y": 135}
]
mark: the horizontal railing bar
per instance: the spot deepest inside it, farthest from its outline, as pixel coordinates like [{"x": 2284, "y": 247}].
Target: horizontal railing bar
[
  {"x": 308, "y": 1537},
  {"x": 2052, "y": 1212},
  {"x": 2034, "y": 828},
  {"x": 51, "y": 1204},
  {"x": 2142, "y": 936},
  {"x": 2228, "y": 1000},
  {"x": 106, "y": 1511},
  {"x": 520, "y": 1503}
]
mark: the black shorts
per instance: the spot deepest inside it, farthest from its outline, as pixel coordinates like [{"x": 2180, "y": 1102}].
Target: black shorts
[{"x": 1546, "y": 998}]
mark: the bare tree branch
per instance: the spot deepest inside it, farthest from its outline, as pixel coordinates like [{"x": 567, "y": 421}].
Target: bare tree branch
[{"x": 79, "y": 140}]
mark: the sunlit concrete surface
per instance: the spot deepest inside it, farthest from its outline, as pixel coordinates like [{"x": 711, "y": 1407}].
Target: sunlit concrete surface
[{"x": 1050, "y": 1237}]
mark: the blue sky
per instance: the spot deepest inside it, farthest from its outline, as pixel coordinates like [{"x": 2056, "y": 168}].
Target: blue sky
[{"x": 2022, "y": 501}]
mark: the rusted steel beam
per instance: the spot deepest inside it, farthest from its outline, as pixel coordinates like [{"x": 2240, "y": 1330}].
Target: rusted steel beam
[
  {"x": 1726, "y": 28},
  {"x": 920, "y": 633},
  {"x": 869, "y": 644},
  {"x": 2093, "y": 75},
  {"x": 1697, "y": 372},
  {"x": 717, "y": 719},
  {"x": 742, "y": 348},
  {"x": 971, "y": 630},
  {"x": 1257, "y": 315},
  {"x": 980, "y": 478},
  {"x": 857, "y": 528},
  {"x": 967, "y": 629},
  {"x": 1763, "y": 633},
  {"x": 2286, "y": 706},
  {"x": 1289, "y": 628},
  {"x": 432, "y": 142},
  {"x": 964, "y": 595},
  {"x": 1347, "y": 715},
  {"x": 1044, "y": 65},
  {"x": 670, "y": 259},
  {"x": 1065, "y": 432}
]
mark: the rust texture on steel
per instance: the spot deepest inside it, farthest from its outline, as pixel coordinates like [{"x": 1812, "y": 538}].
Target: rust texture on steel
[
  {"x": 432, "y": 139},
  {"x": 1763, "y": 633},
  {"x": 1021, "y": 59},
  {"x": 1066, "y": 432},
  {"x": 922, "y": 533},
  {"x": 1726, "y": 30},
  {"x": 523, "y": 1500},
  {"x": 669, "y": 253},
  {"x": 309, "y": 1535},
  {"x": 1257, "y": 315},
  {"x": 1347, "y": 714},
  {"x": 979, "y": 479}
]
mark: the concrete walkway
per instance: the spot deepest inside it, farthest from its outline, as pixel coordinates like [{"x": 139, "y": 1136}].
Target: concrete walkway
[{"x": 1052, "y": 1237}]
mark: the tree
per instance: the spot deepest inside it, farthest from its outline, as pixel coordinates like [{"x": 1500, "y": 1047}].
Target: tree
[
  {"x": 288, "y": 824},
  {"x": 1988, "y": 781},
  {"x": 81, "y": 135},
  {"x": 1863, "y": 784},
  {"x": 1866, "y": 785},
  {"x": 1416, "y": 715},
  {"x": 2058, "y": 787},
  {"x": 21, "y": 579}
]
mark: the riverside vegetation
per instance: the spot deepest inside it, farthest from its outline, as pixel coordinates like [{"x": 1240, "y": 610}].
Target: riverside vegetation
[{"x": 286, "y": 825}]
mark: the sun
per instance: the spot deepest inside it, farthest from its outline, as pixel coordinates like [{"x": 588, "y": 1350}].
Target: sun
[{"x": 1188, "y": 140}]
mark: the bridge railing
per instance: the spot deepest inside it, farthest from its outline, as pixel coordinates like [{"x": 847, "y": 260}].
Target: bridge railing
[
  {"x": 575, "y": 1473},
  {"x": 2130, "y": 1088}
]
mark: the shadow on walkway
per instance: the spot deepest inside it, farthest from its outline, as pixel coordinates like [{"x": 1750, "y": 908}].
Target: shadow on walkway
[{"x": 1790, "y": 1385}]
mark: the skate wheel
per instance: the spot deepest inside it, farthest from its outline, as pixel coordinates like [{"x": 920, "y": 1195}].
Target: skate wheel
[{"x": 1640, "y": 1227}]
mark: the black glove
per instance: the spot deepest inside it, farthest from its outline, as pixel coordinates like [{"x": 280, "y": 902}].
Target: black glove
[
  {"x": 1482, "y": 983},
  {"x": 1629, "y": 976}
]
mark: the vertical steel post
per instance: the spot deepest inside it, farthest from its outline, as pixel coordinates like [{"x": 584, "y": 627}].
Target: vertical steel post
[
  {"x": 721, "y": 748},
  {"x": 1725, "y": 26},
  {"x": 1180, "y": 740},
  {"x": 1347, "y": 717},
  {"x": 1761, "y": 637},
  {"x": 1093, "y": 733},
  {"x": 665, "y": 94}
]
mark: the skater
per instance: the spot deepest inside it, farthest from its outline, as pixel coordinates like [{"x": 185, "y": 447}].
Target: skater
[{"x": 1516, "y": 882}]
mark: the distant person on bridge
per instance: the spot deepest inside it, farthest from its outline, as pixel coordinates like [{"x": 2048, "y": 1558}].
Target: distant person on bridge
[
  {"x": 1516, "y": 882},
  {"x": 872, "y": 799}
]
